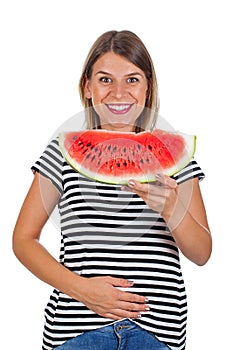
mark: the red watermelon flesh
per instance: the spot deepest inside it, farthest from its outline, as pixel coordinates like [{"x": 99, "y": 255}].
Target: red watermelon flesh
[{"x": 116, "y": 157}]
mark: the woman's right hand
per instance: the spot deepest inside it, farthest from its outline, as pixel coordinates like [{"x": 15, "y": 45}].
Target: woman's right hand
[{"x": 101, "y": 295}]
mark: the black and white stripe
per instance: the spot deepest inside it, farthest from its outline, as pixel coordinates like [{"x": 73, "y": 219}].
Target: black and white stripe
[{"x": 106, "y": 231}]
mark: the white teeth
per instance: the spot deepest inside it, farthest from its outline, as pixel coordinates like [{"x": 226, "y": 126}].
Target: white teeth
[{"x": 119, "y": 107}]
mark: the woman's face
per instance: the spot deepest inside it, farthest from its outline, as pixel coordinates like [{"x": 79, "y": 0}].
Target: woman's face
[{"x": 118, "y": 91}]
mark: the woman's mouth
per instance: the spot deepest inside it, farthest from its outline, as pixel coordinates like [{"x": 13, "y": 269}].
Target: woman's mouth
[{"x": 122, "y": 108}]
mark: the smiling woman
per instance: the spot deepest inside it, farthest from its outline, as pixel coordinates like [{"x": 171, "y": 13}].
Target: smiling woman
[{"x": 96, "y": 303}]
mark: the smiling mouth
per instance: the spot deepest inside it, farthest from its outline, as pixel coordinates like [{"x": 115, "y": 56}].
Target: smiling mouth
[{"x": 119, "y": 108}]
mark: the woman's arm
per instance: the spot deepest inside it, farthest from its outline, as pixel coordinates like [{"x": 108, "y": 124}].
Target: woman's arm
[
  {"x": 183, "y": 210},
  {"x": 188, "y": 223},
  {"x": 98, "y": 294},
  {"x": 36, "y": 209}
]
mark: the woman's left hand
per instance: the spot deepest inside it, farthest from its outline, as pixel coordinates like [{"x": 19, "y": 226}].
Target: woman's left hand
[
  {"x": 182, "y": 208},
  {"x": 160, "y": 196}
]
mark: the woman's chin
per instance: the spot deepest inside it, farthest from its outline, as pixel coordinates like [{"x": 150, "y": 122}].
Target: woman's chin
[{"x": 118, "y": 126}]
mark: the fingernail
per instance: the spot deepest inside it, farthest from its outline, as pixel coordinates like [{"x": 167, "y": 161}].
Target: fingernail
[
  {"x": 146, "y": 300},
  {"x": 131, "y": 282},
  {"x": 131, "y": 183}
]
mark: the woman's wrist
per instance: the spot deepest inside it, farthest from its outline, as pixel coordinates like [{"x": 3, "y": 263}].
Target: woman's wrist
[{"x": 173, "y": 216}]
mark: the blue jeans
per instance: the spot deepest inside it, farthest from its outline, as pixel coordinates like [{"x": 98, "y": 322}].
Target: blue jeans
[{"x": 122, "y": 335}]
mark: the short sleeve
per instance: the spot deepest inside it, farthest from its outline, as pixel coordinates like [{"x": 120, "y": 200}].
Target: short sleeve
[
  {"x": 50, "y": 164},
  {"x": 191, "y": 171}
]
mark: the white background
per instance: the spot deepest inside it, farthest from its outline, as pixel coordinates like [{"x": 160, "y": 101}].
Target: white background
[{"x": 43, "y": 46}]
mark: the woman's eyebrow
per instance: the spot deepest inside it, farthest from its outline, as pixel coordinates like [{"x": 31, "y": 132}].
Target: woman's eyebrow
[
  {"x": 133, "y": 73},
  {"x": 102, "y": 72}
]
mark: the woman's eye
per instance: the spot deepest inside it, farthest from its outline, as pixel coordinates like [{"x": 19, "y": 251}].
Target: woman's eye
[
  {"x": 105, "y": 80},
  {"x": 132, "y": 80}
]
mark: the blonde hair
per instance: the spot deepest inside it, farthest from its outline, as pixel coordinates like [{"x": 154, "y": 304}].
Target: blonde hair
[{"x": 130, "y": 46}]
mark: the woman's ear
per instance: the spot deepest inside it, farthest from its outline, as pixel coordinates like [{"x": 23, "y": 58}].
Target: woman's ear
[{"x": 87, "y": 91}]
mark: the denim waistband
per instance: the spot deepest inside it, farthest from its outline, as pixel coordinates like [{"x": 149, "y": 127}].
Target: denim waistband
[{"x": 120, "y": 326}]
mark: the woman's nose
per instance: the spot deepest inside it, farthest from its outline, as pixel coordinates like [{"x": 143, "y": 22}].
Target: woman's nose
[{"x": 119, "y": 90}]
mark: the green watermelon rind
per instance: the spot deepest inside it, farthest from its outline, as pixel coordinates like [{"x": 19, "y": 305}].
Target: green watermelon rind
[{"x": 183, "y": 162}]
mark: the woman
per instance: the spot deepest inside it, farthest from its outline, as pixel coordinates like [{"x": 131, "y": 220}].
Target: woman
[{"x": 118, "y": 283}]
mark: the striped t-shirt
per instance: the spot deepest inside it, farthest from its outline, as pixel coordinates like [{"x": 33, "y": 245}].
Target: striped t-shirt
[{"x": 106, "y": 231}]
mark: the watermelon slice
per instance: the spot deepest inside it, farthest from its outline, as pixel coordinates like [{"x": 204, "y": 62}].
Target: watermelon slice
[{"x": 115, "y": 157}]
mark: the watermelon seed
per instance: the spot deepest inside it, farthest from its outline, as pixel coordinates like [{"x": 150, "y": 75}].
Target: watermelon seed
[
  {"x": 88, "y": 144},
  {"x": 75, "y": 137},
  {"x": 150, "y": 147}
]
